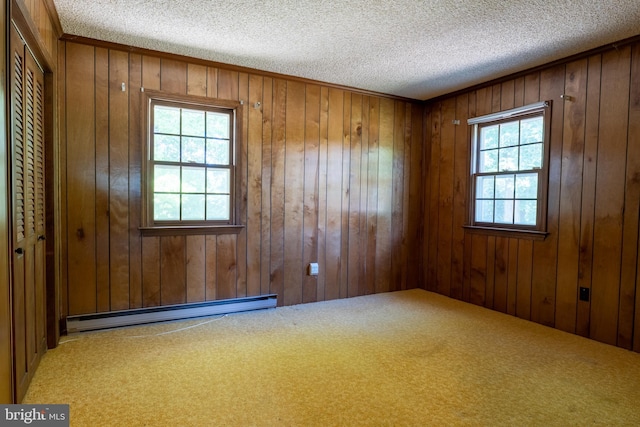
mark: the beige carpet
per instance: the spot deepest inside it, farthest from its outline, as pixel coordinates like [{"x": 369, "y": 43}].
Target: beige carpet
[{"x": 409, "y": 358}]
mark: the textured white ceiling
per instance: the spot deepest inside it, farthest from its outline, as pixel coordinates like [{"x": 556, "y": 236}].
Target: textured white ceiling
[{"x": 411, "y": 48}]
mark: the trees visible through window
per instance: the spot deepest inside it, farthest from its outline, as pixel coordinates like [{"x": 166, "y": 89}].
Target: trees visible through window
[{"x": 509, "y": 169}]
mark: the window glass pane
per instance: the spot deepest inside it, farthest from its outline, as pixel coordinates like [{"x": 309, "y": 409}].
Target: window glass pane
[
  {"x": 218, "y": 181},
  {"x": 489, "y": 137},
  {"x": 504, "y": 186},
  {"x": 485, "y": 186},
  {"x": 489, "y": 161},
  {"x": 531, "y": 156},
  {"x": 192, "y": 150},
  {"x": 166, "y": 179},
  {"x": 193, "y": 180},
  {"x": 218, "y": 152},
  {"x": 526, "y": 212},
  {"x": 509, "y": 134},
  {"x": 484, "y": 210},
  {"x": 166, "y": 207},
  {"x": 508, "y": 159},
  {"x": 527, "y": 186},
  {"x": 193, "y": 206},
  {"x": 504, "y": 211},
  {"x": 218, "y": 207},
  {"x": 218, "y": 125},
  {"x": 166, "y": 148},
  {"x": 531, "y": 130},
  {"x": 192, "y": 122},
  {"x": 166, "y": 120}
]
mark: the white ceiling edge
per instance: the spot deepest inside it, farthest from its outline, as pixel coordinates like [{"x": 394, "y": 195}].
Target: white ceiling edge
[{"x": 408, "y": 48}]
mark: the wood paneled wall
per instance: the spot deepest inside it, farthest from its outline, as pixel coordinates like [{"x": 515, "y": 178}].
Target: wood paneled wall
[
  {"x": 44, "y": 23},
  {"x": 328, "y": 175},
  {"x": 593, "y": 202}
]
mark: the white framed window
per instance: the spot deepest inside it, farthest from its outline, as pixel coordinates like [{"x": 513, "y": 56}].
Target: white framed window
[
  {"x": 189, "y": 178},
  {"x": 509, "y": 169}
]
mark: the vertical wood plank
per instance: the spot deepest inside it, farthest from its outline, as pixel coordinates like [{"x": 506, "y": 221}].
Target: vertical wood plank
[
  {"x": 103, "y": 299},
  {"x": 172, "y": 270},
  {"x": 212, "y": 82},
  {"x": 228, "y": 85},
  {"x": 151, "y": 271},
  {"x": 523, "y": 277},
  {"x": 634, "y": 144},
  {"x": 500, "y": 274},
  {"x": 466, "y": 283},
  {"x": 226, "y": 270},
  {"x": 478, "y": 269},
  {"x": 426, "y": 197},
  {"x": 173, "y": 76},
  {"x": 512, "y": 277},
  {"x": 415, "y": 208},
  {"x": 62, "y": 246},
  {"x": 490, "y": 278},
  {"x": 364, "y": 192},
  {"x": 278, "y": 190},
  {"x": 460, "y": 195},
  {"x": 344, "y": 195},
  {"x": 310, "y": 220},
  {"x": 211, "y": 267},
  {"x": 372, "y": 194},
  {"x": 119, "y": 180},
  {"x": 545, "y": 253},
  {"x": 265, "y": 224},
  {"x": 294, "y": 193},
  {"x": 445, "y": 196},
  {"x": 406, "y": 240},
  {"x": 398, "y": 252},
  {"x": 196, "y": 80},
  {"x": 80, "y": 175},
  {"x": 333, "y": 195},
  {"x": 196, "y": 268},
  {"x": 434, "y": 196},
  {"x": 518, "y": 92},
  {"x": 570, "y": 196},
  {"x": 151, "y": 72},
  {"x": 242, "y": 177},
  {"x": 589, "y": 173},
  {"x": 507, "y": 95},
  {"x": 385, "y": 197},
  {"x": 254, "y": 185},
  {"x": 322, "y": 193},
  {"x": 630, "y": 265},
  {"x": 607, "y": 233},
  {"x": 355, "y": 262},
  {"x": 135, "y": 180}
]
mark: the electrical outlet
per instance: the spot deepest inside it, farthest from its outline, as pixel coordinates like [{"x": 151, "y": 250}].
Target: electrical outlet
[
  {"x": 584, "y": 294},
  {"x": 312, "y": 270}
]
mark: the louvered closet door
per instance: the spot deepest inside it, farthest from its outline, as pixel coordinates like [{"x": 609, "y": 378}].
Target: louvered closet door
[{"x": 27, "y": 108}]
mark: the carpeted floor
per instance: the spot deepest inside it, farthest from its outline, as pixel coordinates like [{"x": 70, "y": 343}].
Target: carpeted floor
[{"x": 409, "y": 358}]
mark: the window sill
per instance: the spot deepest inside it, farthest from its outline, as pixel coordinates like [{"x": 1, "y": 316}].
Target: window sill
[
  {"x": 190, "y": 230},
  {"x": 507, "y": 232}
]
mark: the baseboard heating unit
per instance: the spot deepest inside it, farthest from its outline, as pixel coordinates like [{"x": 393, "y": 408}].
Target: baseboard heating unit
[{"x": 113, "y": 319}]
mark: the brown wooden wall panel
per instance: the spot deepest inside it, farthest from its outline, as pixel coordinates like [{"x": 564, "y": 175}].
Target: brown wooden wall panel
[
  {"x": 80, "y": 241},
  {"x": 593, "y": 203},
  {"x": 119, "y": 180},
  {"x": 325, "y": 175},
  {"x": 311, "y": 198},
  {"x": 43, "y": 22}
]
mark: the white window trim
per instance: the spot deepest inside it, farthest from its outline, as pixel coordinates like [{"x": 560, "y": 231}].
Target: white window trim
[{"x": 538, "y": 232}]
